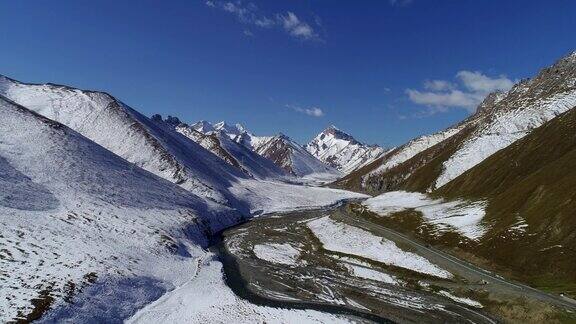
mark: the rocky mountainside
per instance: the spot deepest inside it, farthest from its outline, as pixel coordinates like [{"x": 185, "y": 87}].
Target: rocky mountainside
[
  {"x": 342, "y": 151},
  {"x": 430, "y": 162}
]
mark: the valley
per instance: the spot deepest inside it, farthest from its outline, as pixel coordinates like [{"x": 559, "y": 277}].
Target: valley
[{"x": 285, "y": 260}]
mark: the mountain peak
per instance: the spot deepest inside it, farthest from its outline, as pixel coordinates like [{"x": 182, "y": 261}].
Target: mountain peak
[
  {"x": 231, "y": 130},
  {"x": 340, "y": 150},
  {"x": 174, "y": 121},
  {"x": 203, "y": 127},
  {"x": 338, "y": 134}
]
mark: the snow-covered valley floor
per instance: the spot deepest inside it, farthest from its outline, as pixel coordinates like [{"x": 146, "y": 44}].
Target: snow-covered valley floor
[{"x": 206, "y": 298}]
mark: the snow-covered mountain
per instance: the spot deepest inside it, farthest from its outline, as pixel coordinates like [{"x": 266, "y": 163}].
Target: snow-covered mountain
[
  {"x": 76, "y": 218},
  {"x": 430, "y": 162},
  {"x": 202, "y": 127},
  {"x": 293, "y": 158},
  {"x": 219, "y": 141},
  {"x": 153, "y": 146},
  {"x": 252, "y": 141},
  {"x": 231, "y": 130},
  {"x": 342, "y": 151},
  {"x": 281, "y": 150}
]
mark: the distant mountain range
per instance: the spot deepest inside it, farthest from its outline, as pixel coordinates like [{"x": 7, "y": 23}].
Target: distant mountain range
[{"x": 335, "y": 154}]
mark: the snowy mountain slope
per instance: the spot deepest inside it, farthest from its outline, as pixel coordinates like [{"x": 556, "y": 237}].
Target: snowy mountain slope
[
  {"x": 341, "y": 151},
  {"x": 124, "y": 131},
  {"x": 527, "y": 106},
  {"x": 369, "y": 177},
  {"x": 74, "y": 216},
  {"x": 293, "y": 158},
  {"x": 432, "y": 161},
  {"x": 415, "y": 146},
  {"x": 220, "y": 143},
  {"x": 231, "y": 130}
]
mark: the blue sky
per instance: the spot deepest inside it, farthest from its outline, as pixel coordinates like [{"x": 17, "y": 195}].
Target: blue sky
[{"x": 384, "y": 71}]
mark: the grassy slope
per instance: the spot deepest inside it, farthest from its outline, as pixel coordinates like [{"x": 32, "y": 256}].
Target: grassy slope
[{"x": 533, "y": 179}]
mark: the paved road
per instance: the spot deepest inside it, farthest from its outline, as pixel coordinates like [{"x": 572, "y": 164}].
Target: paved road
[{"x": 458, "y": 266}]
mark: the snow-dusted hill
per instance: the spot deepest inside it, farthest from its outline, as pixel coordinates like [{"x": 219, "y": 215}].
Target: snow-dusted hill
[
  {"x": 342, "y": 151},
  {"x": 75, "y": 218},
  {"x": 430, "y": 162},
  {"x": 131, "y": 135}
]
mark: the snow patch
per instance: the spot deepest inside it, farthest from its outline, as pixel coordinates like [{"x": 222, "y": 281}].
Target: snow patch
[
  {"x": 371, "y": 274},
  {"x": 339, "y": 237},
  {"x": 461, "y": 300},
  {"x": 461, "y": 216},
  {"x": 277, "y": 253}
]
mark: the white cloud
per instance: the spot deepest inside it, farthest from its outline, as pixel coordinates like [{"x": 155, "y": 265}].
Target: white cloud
[
  {"x": 467, "y": 93},
  {"x": 478, "y": 82},
  {"x": 295, "y": 27},
  {"x": 438, "y": 85},
  {"x": 249, "y": 14},
  {"x": 312, "y": 111},
  {"x": 442, "y": 100}
]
